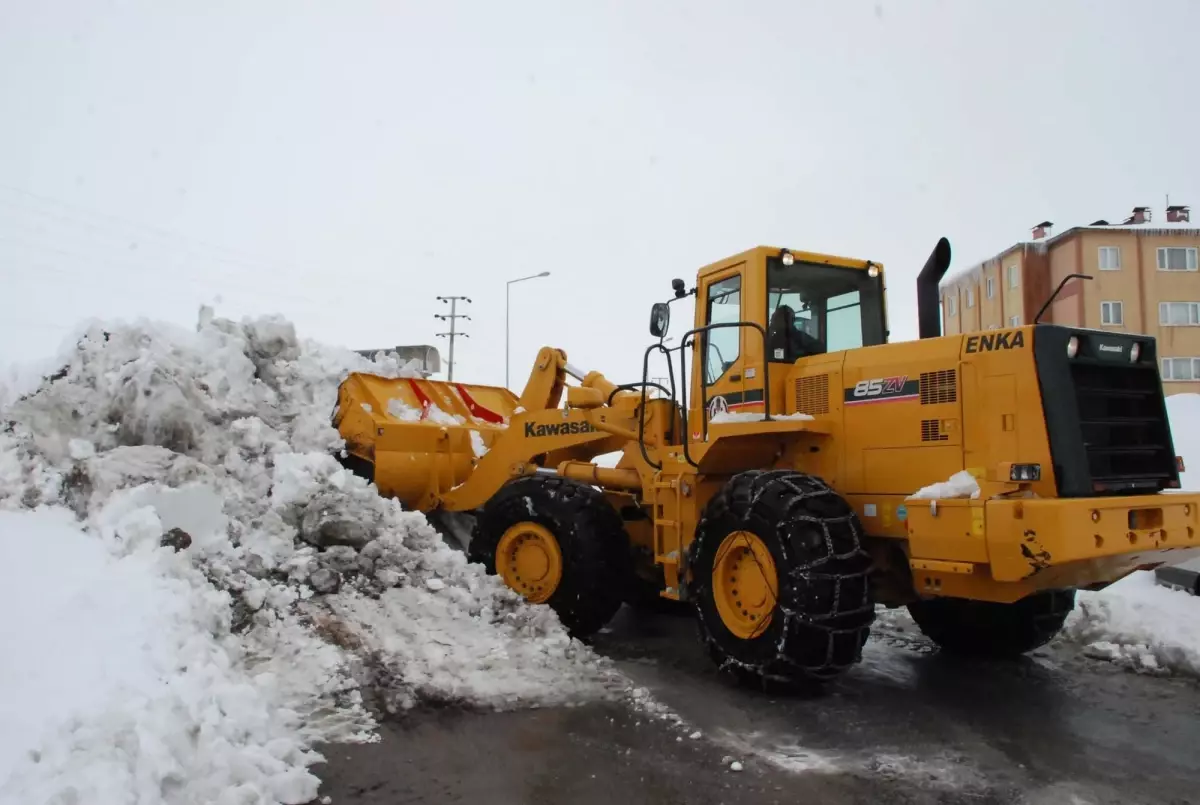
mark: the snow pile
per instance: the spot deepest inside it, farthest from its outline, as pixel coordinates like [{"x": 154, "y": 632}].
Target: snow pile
[
  {"x": 751, "y": 416},
  {"x": 117, "y": 681},
  {"x": 1139, "y": 624},
  {"x": 1184, "y": 411},
  {"x": 229, "y": 591},
  {"x": 961, "y": 484}
]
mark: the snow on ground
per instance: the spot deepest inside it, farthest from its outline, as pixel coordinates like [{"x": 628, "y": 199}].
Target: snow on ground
[
  {"x": 961, "y": 484},
  {"x": 202, "y": 591},
  {"x": 1139, "y": 624}
]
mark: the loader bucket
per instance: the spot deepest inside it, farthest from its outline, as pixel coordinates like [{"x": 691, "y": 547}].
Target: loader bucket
[{"x": 419, "y": 436}]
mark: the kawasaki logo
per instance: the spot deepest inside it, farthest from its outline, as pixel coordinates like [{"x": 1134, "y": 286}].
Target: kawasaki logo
[
  {"x": 560, "y": 429},
  {"x": 1107, "y": 348}
]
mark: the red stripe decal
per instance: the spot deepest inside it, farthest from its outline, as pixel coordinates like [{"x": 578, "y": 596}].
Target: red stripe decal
[
  {"x": 477, "y": 410},
  {"x": 422, "y": 398}
]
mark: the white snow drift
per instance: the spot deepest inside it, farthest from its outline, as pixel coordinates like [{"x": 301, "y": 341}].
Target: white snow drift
[{"x": 200, "y": 591}]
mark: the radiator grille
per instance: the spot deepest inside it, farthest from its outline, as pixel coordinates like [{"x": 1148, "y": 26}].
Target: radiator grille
[
  {"x": 1124, "y": 425},
  {"x": 931, "y": 431},
  {"x": 939, "y": 387},
  {"x": 812, "y": 395}
]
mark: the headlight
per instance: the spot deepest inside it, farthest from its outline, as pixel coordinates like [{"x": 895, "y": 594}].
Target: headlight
[
  {"x": 1072, "y": 347},
  {"x": 1134, "y": 352},
  {"x": 1025, "y": 472},
  {"x": 873, "y": 272},
  {"x": 787, "y": 259}
]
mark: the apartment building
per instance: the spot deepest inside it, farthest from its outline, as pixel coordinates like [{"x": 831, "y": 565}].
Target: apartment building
[{"x": 1145, "y": 279}]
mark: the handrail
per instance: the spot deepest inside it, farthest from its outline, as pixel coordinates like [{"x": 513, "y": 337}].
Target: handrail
[
  {"x": 642, "y": 408},
  {"x": 704, "y": 388},
  {"x": 683, "y": 407}
]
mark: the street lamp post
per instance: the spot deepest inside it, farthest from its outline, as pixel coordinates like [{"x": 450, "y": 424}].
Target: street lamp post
[{"x": 507, "y": 306}]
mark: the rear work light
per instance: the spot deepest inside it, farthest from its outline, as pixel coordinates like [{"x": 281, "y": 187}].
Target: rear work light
[{"x": 1025, "y": 472}]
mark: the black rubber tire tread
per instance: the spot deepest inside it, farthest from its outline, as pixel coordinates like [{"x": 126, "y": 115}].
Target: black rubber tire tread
[
  {"x": 988, "y": 629},
  {"x": 595, "y": 548},
  {"x": 825, "y": 608}
]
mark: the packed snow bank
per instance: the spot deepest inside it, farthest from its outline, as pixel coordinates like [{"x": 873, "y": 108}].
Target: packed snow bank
[
  {"x": 1184, "y": 411},
  {"x": 115, "y": 680},
  {"x": 960, "y": 485},
  {"x": 1139, "y": 624},
  {"x": 196, "y": 510}
]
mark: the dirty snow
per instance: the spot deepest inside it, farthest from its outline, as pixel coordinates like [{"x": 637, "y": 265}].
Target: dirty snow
[
  {"x": 228, "y": 593},
  {"x": 961, "y": 484},
  {"x": 752, "y": 416}
]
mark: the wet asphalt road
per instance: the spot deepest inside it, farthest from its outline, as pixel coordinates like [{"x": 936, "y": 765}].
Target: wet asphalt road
[{"x": 907, "y": 726}]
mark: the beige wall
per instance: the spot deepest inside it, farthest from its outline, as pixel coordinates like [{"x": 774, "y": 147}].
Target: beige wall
[
  {"x": 1013, "y": 303},
  {"x": 1140, "y": 286},
  {"x": 987, "y": 313}
]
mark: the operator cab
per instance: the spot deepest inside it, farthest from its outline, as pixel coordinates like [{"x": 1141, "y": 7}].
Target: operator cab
[{"x": 771, "y": 306}]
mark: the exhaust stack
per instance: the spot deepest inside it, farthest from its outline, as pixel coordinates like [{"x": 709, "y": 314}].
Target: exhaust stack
[{"x": 929, "y": 319}]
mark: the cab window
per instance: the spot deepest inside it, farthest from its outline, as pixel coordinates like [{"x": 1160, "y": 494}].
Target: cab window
[
  {"x": 723, "y": 345},
  {"x": 815, "y": 308}
]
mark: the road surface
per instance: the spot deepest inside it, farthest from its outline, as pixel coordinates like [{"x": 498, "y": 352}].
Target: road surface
[{"x": 907, "y": 726}]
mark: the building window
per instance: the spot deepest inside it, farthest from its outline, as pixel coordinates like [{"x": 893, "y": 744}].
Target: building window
[
  {"x": 1178, "y": 314},
  {"x": 1014, "y": 321},
  {"x": 951, "y": 306},
  {"x": 1112, "y": 313},
  {"x": 991, "y": 287},
  {"x": 1012, "y": 276},
  {"x": 1181, "y": 368},
  {"x": 1174, "y": 258},
  {"x": 1110, "y": 258},
  {"x": 970, "y": 297}
]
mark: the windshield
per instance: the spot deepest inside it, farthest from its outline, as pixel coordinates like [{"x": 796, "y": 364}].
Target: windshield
[{"x": 813, "y": 309}]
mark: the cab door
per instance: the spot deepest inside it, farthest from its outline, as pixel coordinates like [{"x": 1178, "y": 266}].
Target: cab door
[{"x": 720, "y": 354}]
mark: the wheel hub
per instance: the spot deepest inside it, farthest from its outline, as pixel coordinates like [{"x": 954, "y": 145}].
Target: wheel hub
[
  {"x": 745, "y": 585},
  {"x": 529, "y": 560}
]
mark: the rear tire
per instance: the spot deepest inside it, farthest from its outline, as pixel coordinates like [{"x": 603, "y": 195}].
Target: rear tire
[
  {"x": 810, "y": 540},
  {"x": 988, "y": 629},
  {"x": 591, "y": 542}
]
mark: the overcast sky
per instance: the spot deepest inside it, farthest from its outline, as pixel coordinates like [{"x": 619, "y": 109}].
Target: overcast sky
[{"x": 344, "y": 163}]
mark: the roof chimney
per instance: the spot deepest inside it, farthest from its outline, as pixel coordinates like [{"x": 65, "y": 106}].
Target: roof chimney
[
  {"x": 1042, "y": 230},
  {"x": 1178, "y": 214},
  {"x": 1140, "y": 216}
]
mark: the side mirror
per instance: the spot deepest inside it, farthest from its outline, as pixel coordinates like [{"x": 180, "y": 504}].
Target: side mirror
[{"x": 660, "y": 319}]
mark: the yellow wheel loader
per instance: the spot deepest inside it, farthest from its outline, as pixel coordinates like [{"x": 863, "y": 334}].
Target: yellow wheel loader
[{"x": 779, "y": 488}]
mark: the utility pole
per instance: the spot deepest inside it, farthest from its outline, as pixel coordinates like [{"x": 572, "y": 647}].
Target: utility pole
[{"x": 453, "y": 316}]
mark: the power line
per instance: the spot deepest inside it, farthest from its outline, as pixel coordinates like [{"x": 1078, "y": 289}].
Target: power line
[
  {"x": 157, "y": 231},
  {"x": 453, "y": 316}
]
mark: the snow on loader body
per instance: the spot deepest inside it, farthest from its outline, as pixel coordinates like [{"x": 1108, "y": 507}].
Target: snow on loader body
[{"x": 773, "y": 489}]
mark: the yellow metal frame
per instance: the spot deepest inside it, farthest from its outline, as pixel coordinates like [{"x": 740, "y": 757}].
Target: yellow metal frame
[{"x": 1014, "y": 540}]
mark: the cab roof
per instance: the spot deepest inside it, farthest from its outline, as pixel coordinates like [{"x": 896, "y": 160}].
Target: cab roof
[{"x": 763, "y": 252}]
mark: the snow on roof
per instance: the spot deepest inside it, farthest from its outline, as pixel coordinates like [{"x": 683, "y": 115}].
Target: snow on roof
[{"x": 1149, "y": 228}]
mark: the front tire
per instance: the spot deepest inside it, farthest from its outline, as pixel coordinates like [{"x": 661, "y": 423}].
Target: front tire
[
  {"x": 557, "y": 542},
  {"x": 778, "y": 578},
  {"x": 988, "y": 629}
]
